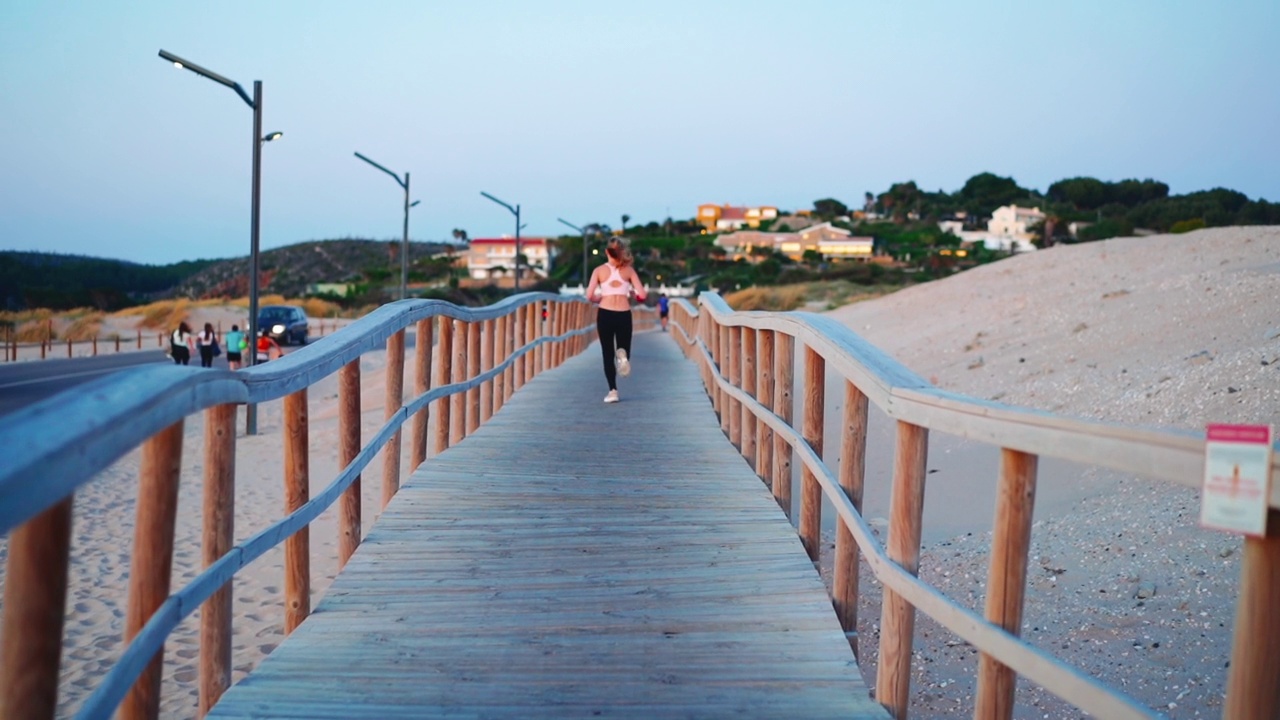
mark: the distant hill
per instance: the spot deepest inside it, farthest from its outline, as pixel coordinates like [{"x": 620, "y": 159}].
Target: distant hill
[
  {"x": 59, "y": 282},
  {"x": 289, "y": 270},
  {"x": 36, "y": 279}
]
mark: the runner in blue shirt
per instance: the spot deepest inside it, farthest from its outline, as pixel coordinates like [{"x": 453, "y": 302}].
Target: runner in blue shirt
[{"x": 662, "y": 310}]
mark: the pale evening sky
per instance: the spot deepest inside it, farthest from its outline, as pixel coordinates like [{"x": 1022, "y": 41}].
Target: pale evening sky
[{"x": 588, "y": 110}]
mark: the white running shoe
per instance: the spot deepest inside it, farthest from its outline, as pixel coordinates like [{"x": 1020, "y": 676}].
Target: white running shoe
[
  {"x": 612, "y": 397},
  {"x": 624, "y": 365}
]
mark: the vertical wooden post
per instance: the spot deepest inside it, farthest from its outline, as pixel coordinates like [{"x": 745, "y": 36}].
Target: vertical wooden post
[
  {"x": 35, "y": 601},
  {"x": 726, "y": 403},
  {"x": 139, "y": 332},
  {"x": 783, "y": 406},
  {"x": 520, "y": 338},
  {"x": 218, "y": 515},
  {"x": 897, "y": 616},
  {"x": 815, "y": 409},
  {"x": 444, "y": 376},
  {"x": 532, "y": 366},
  {"x": 734, "y": 357},
  {"x": 1007, "y": 577},
  {"x": 764, "y": 393},
  {"x": 458, "y": 400},
  {"x": 501, "y": 340},
  {"x": 488, "y": 345},
  {"x": 394, "y": 401},
  {"x": 95, "y": 346},
  {"x": 853, "y": 462},
  {"x": 1253, "y": 685},
  {"x": 349, "y": 531},
  {"x": 748, "y": 374},
  {"x": 474, "y": 344},
  {"x": 297, "y": 481},
  {"x": 149, "y": 570},
  {"x": 68, "y": 347},
  {"x": 117, "y": 344},
  {"x": 713, "y": 345},
  {"x": 421, "y": 383}
]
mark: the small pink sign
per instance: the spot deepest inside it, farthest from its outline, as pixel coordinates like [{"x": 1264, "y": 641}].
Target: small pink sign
[{"x": 1237, "y": 475}]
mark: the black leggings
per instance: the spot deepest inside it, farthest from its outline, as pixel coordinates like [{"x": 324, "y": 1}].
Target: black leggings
[{"x": 614, "y": 329}]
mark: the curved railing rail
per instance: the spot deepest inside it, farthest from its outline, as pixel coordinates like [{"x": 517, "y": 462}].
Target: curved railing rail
[
  {"x": 747, "y": 358},
  {"x": 54, "y": 447}
]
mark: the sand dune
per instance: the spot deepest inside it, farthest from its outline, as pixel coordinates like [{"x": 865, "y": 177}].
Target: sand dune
[{"x": 1165, "y": 331}]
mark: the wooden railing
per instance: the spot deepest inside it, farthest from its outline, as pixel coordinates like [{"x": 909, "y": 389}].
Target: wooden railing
[
  {"x": 747, "y": 358},
  {"x": 53, "y": 448}
]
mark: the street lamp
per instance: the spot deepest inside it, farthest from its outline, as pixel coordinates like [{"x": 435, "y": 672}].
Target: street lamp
[
  {"x": 255, "y": 103},
  {"x": 404, "y": 243},
  {"x": 514, "y": 211},
  {"x": 584, "y": 248}
]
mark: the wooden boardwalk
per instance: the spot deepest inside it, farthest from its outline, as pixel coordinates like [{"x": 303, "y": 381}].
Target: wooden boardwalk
[{"x": 574, "y": 559}]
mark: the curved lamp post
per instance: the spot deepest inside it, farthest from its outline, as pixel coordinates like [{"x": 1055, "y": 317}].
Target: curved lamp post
[
  {"x": 255, "y": 103},
  {"x": 514, "y": 211},
  {"x": 404, "y": 243},
  {"x": 584, "y": 249}
]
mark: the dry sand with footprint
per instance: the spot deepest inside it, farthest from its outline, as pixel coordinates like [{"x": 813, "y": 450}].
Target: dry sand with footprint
[{"x": 1168, "y": 331}]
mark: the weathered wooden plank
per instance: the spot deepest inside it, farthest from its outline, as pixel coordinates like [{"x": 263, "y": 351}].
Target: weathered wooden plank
[{"x": 541, "y": 568}]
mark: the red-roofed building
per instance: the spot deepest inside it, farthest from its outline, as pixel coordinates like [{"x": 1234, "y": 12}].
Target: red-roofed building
[{"x": 490, "y": 258}]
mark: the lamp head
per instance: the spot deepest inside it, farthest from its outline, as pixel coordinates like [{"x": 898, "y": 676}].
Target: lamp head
[{"x": 272, "y": 136}]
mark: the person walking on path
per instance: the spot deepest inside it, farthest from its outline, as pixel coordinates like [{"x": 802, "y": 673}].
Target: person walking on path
[
  {"x": 614, "y": 282},
  {"x": 180, "y": 344},
  {"x": 235, "y": 345},
  {"x": 268, "y": 348},
  {"x": 664, "y": 307},
  {"x": 205, "y": 342}
]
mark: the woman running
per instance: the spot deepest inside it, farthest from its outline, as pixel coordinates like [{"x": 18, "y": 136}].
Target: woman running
[{"x": 614, "y": 283}]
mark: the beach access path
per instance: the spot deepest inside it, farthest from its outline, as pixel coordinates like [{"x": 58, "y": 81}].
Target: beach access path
[{"x": 573, "y": 558}]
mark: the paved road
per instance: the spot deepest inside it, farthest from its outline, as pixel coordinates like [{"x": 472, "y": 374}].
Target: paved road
[{"x": 24, "y": 383}]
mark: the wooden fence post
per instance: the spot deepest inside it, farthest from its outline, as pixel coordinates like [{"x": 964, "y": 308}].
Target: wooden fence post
[
  {"x": 815, "y": 408},
  {"x": 149, "y": 571},
  {"x": 487, "y": 349},
  {"x": 35, "y": 601},
  {"x": 897, "y": 616},
  {"x": 394, "y": 401},
  {"x": 783, "y": 406},
  {"x": 474, "y": 344},
  {"x": 734, "y": 358},
  {"x": 1007, "y": 577},
  {"x": 218, "y": 515},
  {"x": 444, "y": 376},
  {"x": 458, "y": 400},
  {"x": 421, "y": 383},
  {"x": 1253, "y": 685},
  {"x": 748, "y": 375},
  {"x": 297, "y": 481},
  {"x": 533, "y": 366},
  {"x": 764, "y": 393},
  {"x": 520, "y": 338},
  {"x": 349, "y": 531},
  {"x": 853, "y": 462},
  {"x": 502, "y": 341}
]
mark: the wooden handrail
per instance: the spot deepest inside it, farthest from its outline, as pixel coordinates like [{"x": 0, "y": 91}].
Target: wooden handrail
[
  {"x": 107, "y": 418},
  {"x": 1023, "y": 435}
]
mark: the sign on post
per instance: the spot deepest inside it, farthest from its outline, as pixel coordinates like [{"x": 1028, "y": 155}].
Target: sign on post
[{"x": 1237, "y": 474}]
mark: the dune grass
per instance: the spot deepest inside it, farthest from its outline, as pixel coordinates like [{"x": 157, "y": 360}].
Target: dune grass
[{"x": 814, "y": 296}]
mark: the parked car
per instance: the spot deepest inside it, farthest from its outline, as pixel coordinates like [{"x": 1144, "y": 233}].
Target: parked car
[{"x": 285, "y": 323}]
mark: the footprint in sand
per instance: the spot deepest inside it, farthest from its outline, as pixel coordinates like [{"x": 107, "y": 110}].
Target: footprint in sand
[{"x": 185, "y": 675}]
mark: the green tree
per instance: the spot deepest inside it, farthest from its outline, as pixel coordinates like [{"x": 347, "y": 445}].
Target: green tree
[
  {"x": 829, "y": 208},
  {"x": 985, "y": 192}
]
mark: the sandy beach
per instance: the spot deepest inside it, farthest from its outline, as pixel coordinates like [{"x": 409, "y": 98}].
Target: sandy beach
[
  {"x": 1166, "y": 331},
  {"x": 1170, "y": 331}
]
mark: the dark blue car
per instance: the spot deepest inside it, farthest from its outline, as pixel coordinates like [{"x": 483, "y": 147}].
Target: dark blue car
[{"x": 286, "y": 323}]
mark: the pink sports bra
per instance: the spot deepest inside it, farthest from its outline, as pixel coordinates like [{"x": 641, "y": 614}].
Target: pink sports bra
[{"x": 607, "y": 288}]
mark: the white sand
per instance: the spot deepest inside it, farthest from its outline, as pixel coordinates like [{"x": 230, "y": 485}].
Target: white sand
[{"x": 1167, "y": 331}]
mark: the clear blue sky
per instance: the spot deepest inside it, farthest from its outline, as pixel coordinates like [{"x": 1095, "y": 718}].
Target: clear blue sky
[{"x": 588, "y": 110}]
